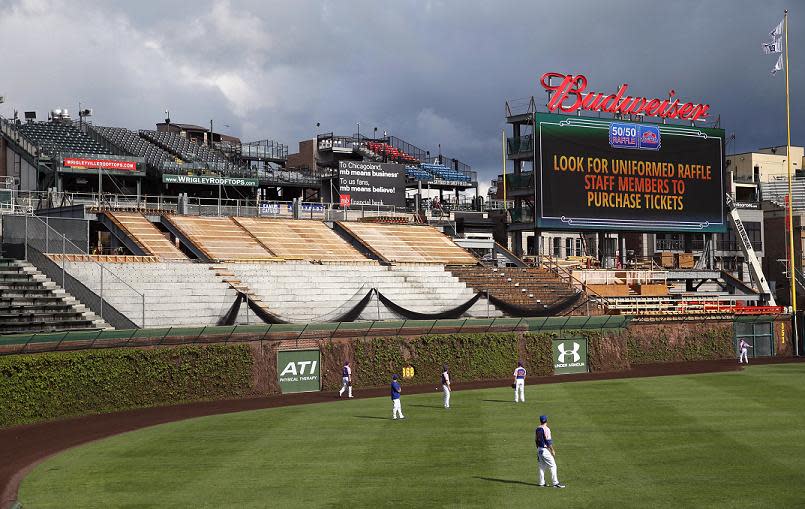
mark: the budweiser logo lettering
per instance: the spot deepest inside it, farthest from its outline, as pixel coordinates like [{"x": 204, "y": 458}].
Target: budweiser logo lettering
[{"x": 569, "y": 95}]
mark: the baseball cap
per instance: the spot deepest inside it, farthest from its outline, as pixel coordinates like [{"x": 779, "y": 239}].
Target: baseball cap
[
  {"x": 543, "y": 418},
  {"x": 393, "y": 377}
]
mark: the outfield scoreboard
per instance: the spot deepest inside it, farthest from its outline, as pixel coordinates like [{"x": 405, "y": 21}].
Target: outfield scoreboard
[{"x": 608, "y": 174}]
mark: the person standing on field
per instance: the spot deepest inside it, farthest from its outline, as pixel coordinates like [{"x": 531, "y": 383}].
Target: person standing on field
[
  {"x": 743, "y": 356},
  {"x": 546, "y": 455},
  {"x": 396, "y": 407},
  {"x": 519, "y": 383},
  {"x": 446, "y": 386},
  {"x": 346, "y": 380}
]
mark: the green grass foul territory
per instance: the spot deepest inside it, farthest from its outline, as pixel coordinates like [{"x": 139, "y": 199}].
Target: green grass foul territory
[{"x": 714, "y": 440}]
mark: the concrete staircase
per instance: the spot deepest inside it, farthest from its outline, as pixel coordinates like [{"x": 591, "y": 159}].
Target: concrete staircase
[
  {"x": 302, "y": 292},
  {"x": 30, "y": 302}
]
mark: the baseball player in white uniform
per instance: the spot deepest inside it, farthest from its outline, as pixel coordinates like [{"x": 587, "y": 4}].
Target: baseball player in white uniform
[
  {"x": 346, "y": 380},
  {"x": 743, "y": 356},
  {"x": 546, "y": 453},
  {"x": 446, "y": 386},
  {"x": 519, "y": 383}
]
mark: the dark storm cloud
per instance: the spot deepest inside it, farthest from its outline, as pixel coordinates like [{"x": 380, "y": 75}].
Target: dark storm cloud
[{"x": 428, "y": 72}]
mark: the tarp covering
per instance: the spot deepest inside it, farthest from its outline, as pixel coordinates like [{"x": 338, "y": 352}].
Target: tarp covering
[
  {"x": 415, "y": 315},
  {"x": 523, "y": 311}
]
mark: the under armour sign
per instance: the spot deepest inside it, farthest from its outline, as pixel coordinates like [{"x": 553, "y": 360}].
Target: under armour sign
[{"x": 569, "y": 356}]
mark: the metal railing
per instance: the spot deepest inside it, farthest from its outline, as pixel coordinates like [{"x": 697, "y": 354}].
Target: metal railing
[
  {"x": 41, "y": 240},
  {"x": 293, "y": 335}
]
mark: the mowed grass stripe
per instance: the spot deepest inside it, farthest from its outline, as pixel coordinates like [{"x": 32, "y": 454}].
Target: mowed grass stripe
[{"x": 688, "y": 441}]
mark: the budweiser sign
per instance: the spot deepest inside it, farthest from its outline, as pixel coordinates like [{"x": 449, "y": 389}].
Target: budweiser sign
[
  {"x": 106, "y": 164},
  {"x": 569, "y": 94}
]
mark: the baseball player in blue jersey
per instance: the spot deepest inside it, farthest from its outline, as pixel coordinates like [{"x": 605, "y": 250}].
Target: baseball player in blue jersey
[
  {"x": 446, "y": 386},
  {"x": 519, "y": 383},
  {"x": 396, "y": 408},
  {"x": 546, "y": 453},
  {"x": 346, "y": 380}
]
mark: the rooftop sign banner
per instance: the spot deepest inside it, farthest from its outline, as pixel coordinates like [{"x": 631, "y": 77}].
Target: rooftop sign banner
[
  {"x": 169, "y": 178},
  {"x": 568, "y": 95},
  {"x": 105, "y": 164}
]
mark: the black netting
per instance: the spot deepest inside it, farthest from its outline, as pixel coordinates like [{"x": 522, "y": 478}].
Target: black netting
[
  {"x": 455, "y": 312},
  {"x": 525, "y": 311}
]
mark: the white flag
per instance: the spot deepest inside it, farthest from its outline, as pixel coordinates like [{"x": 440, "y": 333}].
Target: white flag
[
  {"x": 773, "y": 47},
  {"x": 777, "y": 32},
  {"x": 778, "y": 66}
]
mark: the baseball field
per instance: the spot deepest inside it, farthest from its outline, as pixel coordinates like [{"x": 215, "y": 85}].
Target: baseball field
[{"x": 733, "y": 439}]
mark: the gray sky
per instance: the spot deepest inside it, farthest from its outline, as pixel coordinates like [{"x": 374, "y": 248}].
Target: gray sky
[{"x": 428, "y": 72}]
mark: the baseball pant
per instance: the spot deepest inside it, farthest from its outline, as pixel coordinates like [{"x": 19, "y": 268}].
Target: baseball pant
[
  {"x": 519, "y": 390},
  {"x": 345, "y": 387},
  {"x": 545, "y": 461},
  {"x": 446, "y": 391},
  {"x": 396, "y": 408},
  {"x": 744, "y": 356}
]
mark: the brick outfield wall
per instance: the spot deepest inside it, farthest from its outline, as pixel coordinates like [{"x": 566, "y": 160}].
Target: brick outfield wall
[{"x": 374, "y": 360}]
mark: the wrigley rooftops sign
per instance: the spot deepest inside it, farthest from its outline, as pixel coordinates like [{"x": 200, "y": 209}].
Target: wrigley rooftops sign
[
  {"x": 168, "y": 178},
  {"x": 568, "y": 95}
]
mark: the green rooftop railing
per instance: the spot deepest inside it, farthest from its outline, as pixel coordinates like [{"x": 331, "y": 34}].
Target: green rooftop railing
[{"x": 85, "y": 339}]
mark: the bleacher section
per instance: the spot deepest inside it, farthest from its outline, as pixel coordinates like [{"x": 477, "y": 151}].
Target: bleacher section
[
  {"x": 412, "y": 244},
  {"x": 443, "y": 172},
  {"x": 132, "y": 143},
  {"x": 418, "y": 173},
  {"x": 61, "y": 137},
  {"x": 384, "y": 150},
  {"x": 188, "y": 150},
  {"x": 301, "y": 292},
  {"x": 532, "y": 288},
  {"x": 29, "y": 302},
  {"x": 300, "y": 239},
  {"x": 775, "y": 191},
  {"x": 176, "y": 294},
  {"x": 143, "y": 233},
  {"x": 220, "y": 238}
]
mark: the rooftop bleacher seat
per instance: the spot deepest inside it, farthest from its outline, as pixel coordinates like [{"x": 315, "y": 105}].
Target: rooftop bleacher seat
[
  {"x": 443, "y": 172},
  {"x": 188, "y": 150},
  {"x": 57, "y": 137},
  {"x": 401, "y": 243},
  {"x": 134, "y": 144},
  {"x": 300, "y": 239},
  {"x": 220, "y": 238}
]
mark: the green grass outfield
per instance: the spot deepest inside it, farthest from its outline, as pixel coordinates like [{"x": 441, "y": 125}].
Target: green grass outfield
[{"x": 714, "y": 440}]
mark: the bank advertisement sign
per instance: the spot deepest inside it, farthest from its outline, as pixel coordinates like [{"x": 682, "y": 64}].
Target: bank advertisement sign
[
  {"x": 569, "y": 356},
  {"x": 299, "y": 370},
  {"x": 607, "y": 174},
  {"x": 367, "y": 183}
]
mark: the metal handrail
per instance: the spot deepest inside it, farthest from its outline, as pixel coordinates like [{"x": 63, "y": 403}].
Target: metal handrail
[{"x": 67, "y": 242}]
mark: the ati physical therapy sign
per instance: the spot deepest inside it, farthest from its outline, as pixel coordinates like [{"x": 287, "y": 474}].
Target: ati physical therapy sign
[
  {"x": 569, "y": 95},
  {"x": 299, "y": 370}
]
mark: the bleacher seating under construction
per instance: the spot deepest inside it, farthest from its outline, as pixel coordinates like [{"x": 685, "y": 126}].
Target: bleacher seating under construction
[
  {"x": 300, "y": 239},
  {"x": 408, "y": 244},
  {"x": 220, "y": 238},
  {"x": 61, "y": 137},
  {"x": 526, "y": 288},
  {"x": 141, "y": 231}
]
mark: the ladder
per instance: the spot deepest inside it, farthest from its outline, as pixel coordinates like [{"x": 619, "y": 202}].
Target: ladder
[{"x": 755, "y": 270}]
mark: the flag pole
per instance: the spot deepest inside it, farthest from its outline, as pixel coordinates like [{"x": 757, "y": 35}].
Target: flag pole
[{"x": 792, "y": 264}]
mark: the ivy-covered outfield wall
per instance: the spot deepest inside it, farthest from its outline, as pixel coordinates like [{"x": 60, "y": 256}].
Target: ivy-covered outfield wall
[
  {"x": 61, "y": 384},
  {"x": 54, "y": 385}
]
